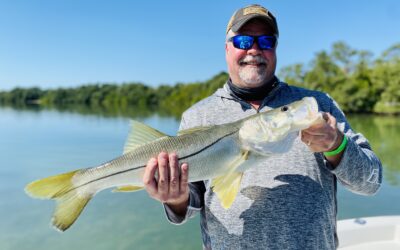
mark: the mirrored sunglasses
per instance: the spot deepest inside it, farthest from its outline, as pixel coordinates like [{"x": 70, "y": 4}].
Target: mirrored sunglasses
[{"x": 245, "y": 42}]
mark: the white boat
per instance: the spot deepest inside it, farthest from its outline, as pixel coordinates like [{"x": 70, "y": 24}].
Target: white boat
[{"x": 370, "y": 233}]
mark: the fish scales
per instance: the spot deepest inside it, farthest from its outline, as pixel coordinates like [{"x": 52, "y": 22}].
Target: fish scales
[{"x": 207, "y": 152}]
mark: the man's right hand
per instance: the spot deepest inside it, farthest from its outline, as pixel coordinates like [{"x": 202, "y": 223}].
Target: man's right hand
[{"x": 170, "y": 188}]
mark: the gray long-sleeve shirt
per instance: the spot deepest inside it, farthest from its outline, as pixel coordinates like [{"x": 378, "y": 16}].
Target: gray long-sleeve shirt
[{"x": 288, "y": 201}]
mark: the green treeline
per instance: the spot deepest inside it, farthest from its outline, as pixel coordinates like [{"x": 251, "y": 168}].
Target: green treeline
[
  {"x": 116, "y": 99},
  {"x": 357, "y": 82}
]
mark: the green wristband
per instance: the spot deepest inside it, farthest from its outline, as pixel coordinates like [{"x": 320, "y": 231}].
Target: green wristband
[{"x": 339, "y": 149}]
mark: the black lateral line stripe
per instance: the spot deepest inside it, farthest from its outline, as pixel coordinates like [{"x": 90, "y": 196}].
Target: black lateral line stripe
[{"x": 135, "y": 168}]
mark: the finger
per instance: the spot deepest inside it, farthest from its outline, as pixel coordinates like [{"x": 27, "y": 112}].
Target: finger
[
  {"x": 331, "y": 121},
  {"x": 303, "y": 136},
  {"x": 174, "y": 174},
  {"x": 329, "y": 133},
  {"x": 306, "y": 138},
  {"x": 184, "y": 178},
  {"x": 148, "y": 176},
  {"x": 325, "y": 116},
  {"x": 163, "y": 172},
  {"x": 307, "y": 135},
  {"x": 322, "y": 122},
  {"x": 317, "y": 128},
  {"x": 334, "y": 134},
  {"x": 312, "y": 139}
]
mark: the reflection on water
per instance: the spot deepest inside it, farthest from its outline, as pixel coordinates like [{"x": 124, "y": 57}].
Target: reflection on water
[
  {"x": 39, "y": 142},
  {"x": 103, "y": 111},
  {"x": 383, "y": 133}
]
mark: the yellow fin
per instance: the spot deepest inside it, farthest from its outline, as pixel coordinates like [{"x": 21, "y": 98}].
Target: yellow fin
[
  {"x": 128, "y": 188},
  {"x": 70, "y": 203},
  {"x": 141, "y": 134},
  {"x": 192, "y": 130},
  {"x": 50, "y": 187},
  {"x": 227, "y": 186},
  {"x": 68, "y": 209}
]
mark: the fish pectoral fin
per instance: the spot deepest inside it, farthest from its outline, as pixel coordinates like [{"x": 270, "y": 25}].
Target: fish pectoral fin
[
  {"x": 141, "y": 134},
  {"x": 128, "y": 188},
  {"x": 226, "y": 187}
]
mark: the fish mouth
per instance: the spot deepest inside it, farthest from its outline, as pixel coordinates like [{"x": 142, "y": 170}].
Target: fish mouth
[
  {"x": 306, "y": 114},
  {"x": 312, "y": 105}
]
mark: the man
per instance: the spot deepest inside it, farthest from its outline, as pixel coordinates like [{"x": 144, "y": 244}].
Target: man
[{"x": 289, "y": 201}]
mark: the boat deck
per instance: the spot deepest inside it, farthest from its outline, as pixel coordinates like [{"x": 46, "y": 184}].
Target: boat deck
[{"x": 371, "y": 233}]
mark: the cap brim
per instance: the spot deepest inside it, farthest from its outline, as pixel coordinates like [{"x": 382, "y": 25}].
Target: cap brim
[{"x": 237, "y": 26}]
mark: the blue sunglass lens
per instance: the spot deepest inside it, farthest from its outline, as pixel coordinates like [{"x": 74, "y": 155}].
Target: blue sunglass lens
[
  {"x": 266, "y": 42},
  {"x": 243, "y": 42},
  {"x": 246, "y": 42}
]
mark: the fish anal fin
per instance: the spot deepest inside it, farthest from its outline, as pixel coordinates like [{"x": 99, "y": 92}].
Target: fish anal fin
[
  {"x": 141, "y": 134},
  {"x": 128, "y": 188}
]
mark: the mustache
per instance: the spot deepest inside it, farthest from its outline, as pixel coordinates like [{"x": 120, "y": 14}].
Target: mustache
[{"x": 252, "y": 59}]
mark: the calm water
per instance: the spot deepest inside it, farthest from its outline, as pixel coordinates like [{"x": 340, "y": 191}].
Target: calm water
[{"x": 37, "y": 144}]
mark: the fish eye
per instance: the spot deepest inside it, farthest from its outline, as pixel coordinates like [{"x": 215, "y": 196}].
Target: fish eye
[{"x": 284, "y": 108}]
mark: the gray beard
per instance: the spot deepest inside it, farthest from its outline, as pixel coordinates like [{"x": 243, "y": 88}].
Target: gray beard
[{"x": 253, "y": 76}]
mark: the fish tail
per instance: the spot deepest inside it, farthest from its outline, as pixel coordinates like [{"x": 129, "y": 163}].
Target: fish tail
[{"x": 70, "y": 202}]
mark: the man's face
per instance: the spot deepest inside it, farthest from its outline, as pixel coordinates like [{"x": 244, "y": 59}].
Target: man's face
[{"x": 251, "y": 68}]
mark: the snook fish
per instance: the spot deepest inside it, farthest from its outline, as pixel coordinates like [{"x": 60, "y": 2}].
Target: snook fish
[{"x": 220, "y": 153}]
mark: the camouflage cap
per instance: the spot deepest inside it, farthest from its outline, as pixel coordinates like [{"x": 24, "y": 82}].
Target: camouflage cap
[{"x": 243, "y": 15}]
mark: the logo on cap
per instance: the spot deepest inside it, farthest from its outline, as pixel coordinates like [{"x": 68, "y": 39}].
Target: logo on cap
[{"x": 255, "y": 10}]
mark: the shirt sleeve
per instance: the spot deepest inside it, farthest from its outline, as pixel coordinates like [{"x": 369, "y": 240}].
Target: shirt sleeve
[
  {"x": 196, "y": 203},
  {"x": 359, "y": 170},
  {"x": 196, "y": 194}
]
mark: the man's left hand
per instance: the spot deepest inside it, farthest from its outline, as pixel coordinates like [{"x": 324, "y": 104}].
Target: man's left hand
[{"x": 324, "y": 136}]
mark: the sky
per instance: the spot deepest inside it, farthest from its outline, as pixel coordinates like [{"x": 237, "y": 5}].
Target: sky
[{"x": 68, "y": 43}]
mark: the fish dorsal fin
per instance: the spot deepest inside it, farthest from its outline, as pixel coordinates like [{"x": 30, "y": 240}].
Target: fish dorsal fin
[
  {"x": 141, "y": 134},
  {"x": 192, "y": 130},
  {"x": 128, "y": 188},
  {"x": 227, "y": 186}
]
